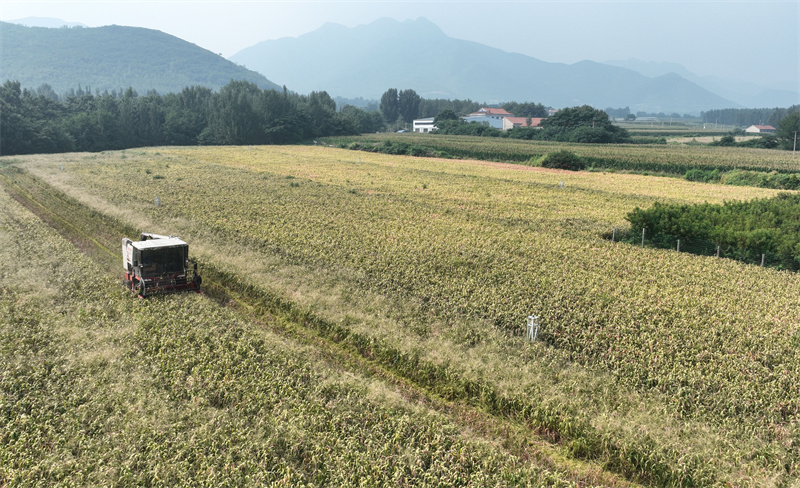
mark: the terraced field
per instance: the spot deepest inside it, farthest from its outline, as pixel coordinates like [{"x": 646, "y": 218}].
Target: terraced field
[{"x": 415, "y": 276}]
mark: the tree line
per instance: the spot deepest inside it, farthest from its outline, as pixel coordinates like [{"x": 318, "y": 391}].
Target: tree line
[
  {"x": 745, "y": 117},
  {"x": 40, "y": 121},
  {"x": 239, "y": 113}
]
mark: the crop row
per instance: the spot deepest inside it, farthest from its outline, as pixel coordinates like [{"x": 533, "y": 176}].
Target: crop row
[
  {"x": 713, "y": 342},
  {"x": 98, "y": 388}
]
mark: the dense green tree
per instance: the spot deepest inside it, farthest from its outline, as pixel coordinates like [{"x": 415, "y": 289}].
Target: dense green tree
[
  {"x": 321, "y": 109},
  {"x": 526, "y": 109},
  {"x": 16, "y": 130},
  {"x": 362, "y": 121},
  {"x": 431, "y": 107},
  {"x": 390, "y": 105},
  {"x": 618, "y": 112},
  {"x": 234, "y": 115},
  {"x": 186, "y": 115},
  {"x": 788, "y": 130},
  {"x": 444, "y": 115},
  {"x": 745, "y": 117},
  {"x": 107, "y": 121},
  {"x": 584, "y": 116},
  {"x": 408, "y": 105},
  {"x": 582, "y": 124}
]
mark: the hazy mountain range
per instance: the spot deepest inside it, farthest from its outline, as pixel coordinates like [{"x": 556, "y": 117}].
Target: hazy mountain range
[
  {"x": 366, "y": 60},
  {"x": 360, "y": 62},
  {"x": 112, "y": 58},
  {"x": 745, "y": 93}
]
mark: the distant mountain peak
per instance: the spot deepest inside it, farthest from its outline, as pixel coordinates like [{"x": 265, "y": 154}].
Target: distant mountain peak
[
  {"x": 744, "y": 93},
  {"x": 49, "y": 22},
  {"x": 366, "y": 60}
]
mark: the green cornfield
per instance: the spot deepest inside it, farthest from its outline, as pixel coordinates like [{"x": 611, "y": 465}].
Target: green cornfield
[{"x": 652, "y": 367}]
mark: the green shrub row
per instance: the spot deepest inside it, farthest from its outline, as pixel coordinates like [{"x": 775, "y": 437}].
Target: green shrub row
[
  {"x": 745, "y": 229},
  {"x": 760, "y": 179}
]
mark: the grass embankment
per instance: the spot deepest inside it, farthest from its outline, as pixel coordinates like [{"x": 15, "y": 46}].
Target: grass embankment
[
  {"x": 764, "y": 168},
  {"x": 671, "y": 367},
  {"x": 100, "y": 388}
]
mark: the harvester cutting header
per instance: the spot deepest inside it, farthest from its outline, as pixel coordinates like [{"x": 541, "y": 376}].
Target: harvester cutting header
[{"x": 158, "y": 264}]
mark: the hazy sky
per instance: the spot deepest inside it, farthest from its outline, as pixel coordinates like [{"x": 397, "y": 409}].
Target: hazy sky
[{"x": 747, "y": 40}]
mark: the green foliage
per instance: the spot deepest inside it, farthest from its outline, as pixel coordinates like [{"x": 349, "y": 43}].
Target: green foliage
[
  {"x": 408, "y": 105},
  {"x": 778, "y": 181},
  {"x": 788, "y": 129},
  {"x": 727, "y": 140},
  {"x": 362, "y": 121},
  {"x": 395, "y": 147},
  {"x": 390, "y": 105},
  {"x": 702, "y": 175},
  {"x": 463, "y": 128},
  {"x": 527, "y": 109},
  {"x": 582, "y": 124},
  {"x": 745, "y": 117},
  {"x": 240, "y": 113},
  {"x": 562, "y": 160},
  {"x": 445, "y": 115},
  {"x": 767, "y": 141},
  {"x": 430, "y": 107},
  {"x": 746, "y": 229}
]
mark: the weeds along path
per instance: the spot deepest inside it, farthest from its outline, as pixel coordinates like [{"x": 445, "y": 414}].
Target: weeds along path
[{"x": 476, "y": 407}]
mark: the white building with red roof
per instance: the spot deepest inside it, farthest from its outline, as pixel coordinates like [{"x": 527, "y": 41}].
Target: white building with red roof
[
  {"x": 511, "y": 122},
  {"x": 761, "y": 129},
  {"x": 492, "y": 117}
]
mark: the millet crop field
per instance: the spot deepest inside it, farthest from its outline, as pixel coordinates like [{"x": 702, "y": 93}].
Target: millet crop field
[{"x": 363, "y": 324}]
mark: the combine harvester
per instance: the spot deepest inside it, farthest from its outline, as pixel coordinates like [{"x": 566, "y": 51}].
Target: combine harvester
[{"x": 158, "y": 264}]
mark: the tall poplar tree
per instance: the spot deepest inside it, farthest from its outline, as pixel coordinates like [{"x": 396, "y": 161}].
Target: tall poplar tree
[
  {"x": 408, "y": 105},
  {"x": 390, "y": 105}
]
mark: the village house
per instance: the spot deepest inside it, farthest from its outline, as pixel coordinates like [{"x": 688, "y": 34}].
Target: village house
[
  {"x": 761, "y": 129},
  {"x": 424, "y": 125},
  {"x": 511, "y": 122},
  {"x": 494, "y": 117}
]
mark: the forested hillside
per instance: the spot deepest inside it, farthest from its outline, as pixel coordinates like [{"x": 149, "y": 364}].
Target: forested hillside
[{"x": 113, "y": 58}]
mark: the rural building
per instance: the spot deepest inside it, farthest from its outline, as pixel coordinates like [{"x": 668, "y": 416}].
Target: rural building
[
  {"x": 496, "y": 113},
  {"x": 493, "y": 117},
  {"x": 761, "y": 129},
  {"x": 424, "y": 125},
  {"x": 511, "y": 122}
]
